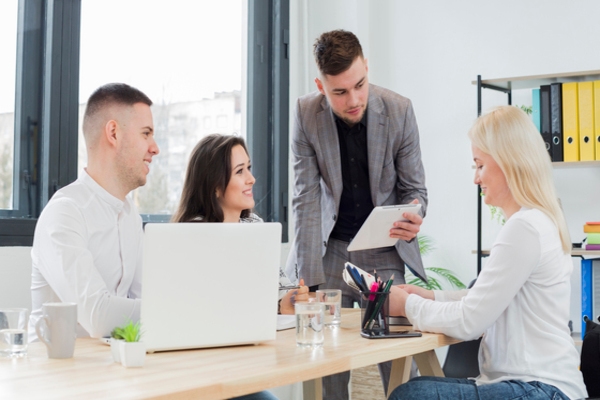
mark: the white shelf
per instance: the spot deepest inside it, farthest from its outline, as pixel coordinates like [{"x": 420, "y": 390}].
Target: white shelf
[
  {"x": 575, "y": 164},
  {"x": 574, "y": 252},
  {"x": 535, "y": 81}
]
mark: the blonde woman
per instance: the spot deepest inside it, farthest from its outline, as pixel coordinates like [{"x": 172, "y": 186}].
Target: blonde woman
[{"x": 520, "y": 302}]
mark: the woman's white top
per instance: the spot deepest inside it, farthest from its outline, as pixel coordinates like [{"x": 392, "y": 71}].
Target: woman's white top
[{"x": 520, "y": 303}]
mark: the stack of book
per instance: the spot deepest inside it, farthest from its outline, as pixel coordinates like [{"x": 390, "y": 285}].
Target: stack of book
[
  {"x": 568, "y": 117},
  {"x": 592, "y": 231}
]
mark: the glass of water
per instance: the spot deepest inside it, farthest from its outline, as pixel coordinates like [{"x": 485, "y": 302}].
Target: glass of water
[
  {"x": 309, "y": 324},
  {"x": 13, "y": 332},
  {"x": 332, "y": 299}
]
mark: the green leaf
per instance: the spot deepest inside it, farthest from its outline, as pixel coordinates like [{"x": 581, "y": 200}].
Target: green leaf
[
  {"x": 426, "y": 244},
  {"x": 130, "y": 332},
  {"x": 449, "y": 276}
]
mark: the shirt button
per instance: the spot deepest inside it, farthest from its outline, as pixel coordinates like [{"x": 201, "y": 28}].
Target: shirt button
[
  {"x": 355, "y": 186},
  {"x": 324, "y": 243},
  {"x": 358, "y": 205},
  {"x": 334, "y": 217},
  {"x": 352, "y": 159}
]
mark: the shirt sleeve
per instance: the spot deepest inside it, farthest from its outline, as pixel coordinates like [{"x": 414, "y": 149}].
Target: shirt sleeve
[
  {"x": 513, "y": 257},
  {"x": 68, "y": 266},
  {"x": 283, "y": 282},
  {"x": 409, "y": 167},
  {"x": 306, "y": 205},
  {"x": 449, "y": 295}
]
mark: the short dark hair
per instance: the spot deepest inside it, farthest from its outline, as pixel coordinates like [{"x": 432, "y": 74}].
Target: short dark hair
[
  {"x": 114, "y": 93},
  {"x": 208, "y": 171},
  {"x": 335, "y": 51}
]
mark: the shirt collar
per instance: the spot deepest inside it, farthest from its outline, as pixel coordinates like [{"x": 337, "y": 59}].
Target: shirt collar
[
  {"x": 363, "y": 121},
  {"x": 102, "y": 193}
]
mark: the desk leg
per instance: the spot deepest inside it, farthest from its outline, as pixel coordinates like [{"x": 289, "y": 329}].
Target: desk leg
[
  {"x": 428, "y": 364},
  {"x": 312, "y": 390},
  {"x": 400, "y": 373}
]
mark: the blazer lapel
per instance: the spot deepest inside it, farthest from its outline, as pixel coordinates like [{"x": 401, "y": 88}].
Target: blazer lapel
[
  {"x": 330, "y": 148},
  {"x": 377, "y": 139}
]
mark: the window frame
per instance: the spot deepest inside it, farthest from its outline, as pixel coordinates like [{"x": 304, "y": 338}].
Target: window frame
[
  {"x": 268, "y": 107},
  {"x": 46, "y": 110},
  {"x": 46, "y": 96}
]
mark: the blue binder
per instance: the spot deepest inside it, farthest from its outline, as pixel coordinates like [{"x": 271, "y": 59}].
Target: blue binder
[
  {"x": 535, "y": 108},
  {"x": 587, "y": 292}
]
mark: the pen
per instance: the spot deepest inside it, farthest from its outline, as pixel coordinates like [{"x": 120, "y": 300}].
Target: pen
[
  {"x": 289, "y": 287},
  {"x": 364, "y": 281},
  {"x": 374, "y": 288},
  {"x": 352, "y": 273},
  {"x": 381, "y": 300}
]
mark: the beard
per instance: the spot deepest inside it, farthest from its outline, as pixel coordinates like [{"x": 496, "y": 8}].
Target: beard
[
  {"x": 356, "y": 120},
  {"x": 130, "y": 174}
]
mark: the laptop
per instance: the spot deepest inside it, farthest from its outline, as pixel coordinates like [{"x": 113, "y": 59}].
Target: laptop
[{"x": 209, "y": 284}]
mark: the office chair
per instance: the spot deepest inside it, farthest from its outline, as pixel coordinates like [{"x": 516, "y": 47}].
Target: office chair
[
  {"x": 462, "y": 358},
  {"x": 590, "y": 358}
]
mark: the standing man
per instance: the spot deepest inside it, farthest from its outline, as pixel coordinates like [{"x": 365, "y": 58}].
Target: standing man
[
  {"x": 354, "y": 146},
  {"x": 87, "y": 246}
]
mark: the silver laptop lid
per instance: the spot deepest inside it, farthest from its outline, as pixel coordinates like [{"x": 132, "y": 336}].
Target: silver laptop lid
[{"x": 209, "y": 284}]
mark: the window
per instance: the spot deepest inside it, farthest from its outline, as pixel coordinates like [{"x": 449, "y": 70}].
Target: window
[
  {"x": 186, "y": 56},
  {"x": 45, "y": 76},
  {"x": 177, "y": 61},
  {"x": 8, "y": 49}
]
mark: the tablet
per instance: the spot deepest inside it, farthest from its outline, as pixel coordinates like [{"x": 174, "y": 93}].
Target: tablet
[{"x": 375, "y": 231}]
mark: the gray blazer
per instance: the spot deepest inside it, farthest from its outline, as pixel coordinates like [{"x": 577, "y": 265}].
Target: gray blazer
[{"x": 396, "y": 174}]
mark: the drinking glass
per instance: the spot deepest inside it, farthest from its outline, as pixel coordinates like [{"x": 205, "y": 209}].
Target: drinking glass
[
  {"x": 332, "y": 299},
  {"x": 13, "y": 332}
]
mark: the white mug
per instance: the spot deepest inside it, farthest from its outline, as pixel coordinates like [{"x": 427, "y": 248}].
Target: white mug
[{"x": 57, "y": 329}]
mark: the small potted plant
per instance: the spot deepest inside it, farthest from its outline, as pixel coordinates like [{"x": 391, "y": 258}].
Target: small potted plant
[
  {"x": 132, "y": 350},
  {"x": 115, "y": 347}
]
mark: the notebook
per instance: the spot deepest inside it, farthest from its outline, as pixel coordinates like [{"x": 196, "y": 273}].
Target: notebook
[{"x": 209, "y": 284}]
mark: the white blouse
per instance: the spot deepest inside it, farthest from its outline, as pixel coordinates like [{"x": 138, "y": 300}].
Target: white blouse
[{"x": 520, "y": 303}]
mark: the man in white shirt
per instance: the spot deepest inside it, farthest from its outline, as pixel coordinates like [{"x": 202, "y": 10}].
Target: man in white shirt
[{"x": 87, "y": 246}]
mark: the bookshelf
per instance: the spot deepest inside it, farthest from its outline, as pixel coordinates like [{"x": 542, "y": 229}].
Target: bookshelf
[
  {"x": 590, "y": 283},
  {"x": 507, "y": 85}
]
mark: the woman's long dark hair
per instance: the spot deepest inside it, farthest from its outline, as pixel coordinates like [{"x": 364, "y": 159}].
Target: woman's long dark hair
[{"x": 208, "y": 171}]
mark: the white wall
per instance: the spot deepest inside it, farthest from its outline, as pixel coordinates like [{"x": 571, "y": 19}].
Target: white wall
[{"x": 430, "y": 52}]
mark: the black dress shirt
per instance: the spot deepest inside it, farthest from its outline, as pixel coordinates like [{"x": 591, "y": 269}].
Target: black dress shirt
[{"x": 356, "y": 203}]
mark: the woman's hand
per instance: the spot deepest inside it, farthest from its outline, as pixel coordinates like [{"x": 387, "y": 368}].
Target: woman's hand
[
  {"x": 291, "y": 297},
  {"x": 398, "y": 298},
  {"x": 419, "y": 291}
]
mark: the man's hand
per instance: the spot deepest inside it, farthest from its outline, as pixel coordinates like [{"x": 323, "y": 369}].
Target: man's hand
[{"x": 407, "y": 230}]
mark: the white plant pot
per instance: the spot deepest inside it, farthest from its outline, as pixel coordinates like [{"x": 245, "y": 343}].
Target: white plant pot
[
  {"x": 133, "y": 354},
  {"x": 115, "y": 349}
]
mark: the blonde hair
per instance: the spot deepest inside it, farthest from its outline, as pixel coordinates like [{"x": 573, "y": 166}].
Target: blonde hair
[{"x": 508, "y": 135}]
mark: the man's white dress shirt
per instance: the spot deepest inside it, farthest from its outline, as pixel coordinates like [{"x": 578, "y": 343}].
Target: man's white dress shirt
[{"x": 87, "y": 249}]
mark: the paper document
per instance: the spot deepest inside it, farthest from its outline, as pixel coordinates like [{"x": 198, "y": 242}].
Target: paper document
[{"x": 286, "y": 322}]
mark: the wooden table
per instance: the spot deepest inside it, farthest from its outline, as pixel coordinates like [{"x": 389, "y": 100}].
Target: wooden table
[{"x": 213, "y": 373}]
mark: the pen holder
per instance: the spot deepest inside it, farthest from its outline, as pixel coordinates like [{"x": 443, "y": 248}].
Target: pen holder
[{"x": 374, "y": 311}]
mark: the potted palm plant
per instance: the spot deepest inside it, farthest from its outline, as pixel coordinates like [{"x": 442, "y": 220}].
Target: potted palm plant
[{"x": 435, "y": 275}]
